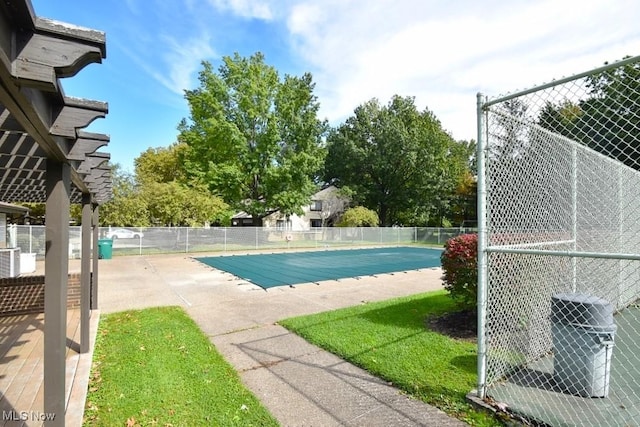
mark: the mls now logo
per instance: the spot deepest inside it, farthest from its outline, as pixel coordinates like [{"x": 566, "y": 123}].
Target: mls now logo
[
  {"x": 27, "y": 416},
  {"x": 15, "y": 416}
]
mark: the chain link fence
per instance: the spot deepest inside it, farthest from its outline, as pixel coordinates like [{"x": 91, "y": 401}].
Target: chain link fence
[
  {"x": 559, "y": 249},
  {"x": 153, "y": 240}
]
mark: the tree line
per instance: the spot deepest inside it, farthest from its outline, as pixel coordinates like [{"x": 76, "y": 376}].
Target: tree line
[{"x": 253, "y": 142}]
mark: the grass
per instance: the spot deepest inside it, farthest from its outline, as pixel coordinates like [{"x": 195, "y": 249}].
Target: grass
[
  {"x": 390, "y": 339},
  {"x": 156, "y": 367}
]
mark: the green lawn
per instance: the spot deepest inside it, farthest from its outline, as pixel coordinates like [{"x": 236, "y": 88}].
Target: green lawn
[
  {"x": 390, "y": 339},
  {"x": 156, "y": 367}
]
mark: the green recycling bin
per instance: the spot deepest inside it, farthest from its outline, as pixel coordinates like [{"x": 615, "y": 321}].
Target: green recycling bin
[{"x": 105, "y": 248}]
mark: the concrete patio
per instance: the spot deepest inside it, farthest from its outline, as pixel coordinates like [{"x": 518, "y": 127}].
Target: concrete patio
[{"x": 299, "y": 383}]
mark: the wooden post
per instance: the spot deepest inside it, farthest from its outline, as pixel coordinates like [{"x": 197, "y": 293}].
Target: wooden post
[
  {"x": 94, "y": 277},
  {"x": 55, "y": 289},
  {"x": 85, "y": 275}
]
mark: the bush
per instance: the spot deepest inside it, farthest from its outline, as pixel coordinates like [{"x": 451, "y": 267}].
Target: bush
[
  {"x": 359, "y": 217},
  {"x": 460, "y": 265}
]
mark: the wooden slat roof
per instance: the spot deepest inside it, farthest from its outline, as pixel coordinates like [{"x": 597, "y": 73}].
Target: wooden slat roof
[{"x": 38, "y": 122}]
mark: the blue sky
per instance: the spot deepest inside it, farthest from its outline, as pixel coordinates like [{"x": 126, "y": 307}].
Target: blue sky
[{"x": 440, "y": 52}]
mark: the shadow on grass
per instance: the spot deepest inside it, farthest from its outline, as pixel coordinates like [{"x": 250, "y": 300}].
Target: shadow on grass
[
  {"x": 392, "y": 340},
  {"x": 411, "y": 313},
  {"x": 466, "y": 363}
]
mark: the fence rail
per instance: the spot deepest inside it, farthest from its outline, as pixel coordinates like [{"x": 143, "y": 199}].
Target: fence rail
[{"x": 154, "y": 240}]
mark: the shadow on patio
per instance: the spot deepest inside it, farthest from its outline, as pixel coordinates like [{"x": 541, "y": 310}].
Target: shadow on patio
[{"x": 22, "y": 369}]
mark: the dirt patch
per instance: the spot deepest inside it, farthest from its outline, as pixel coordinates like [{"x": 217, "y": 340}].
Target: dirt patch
[{"x": 461, "y": 325}]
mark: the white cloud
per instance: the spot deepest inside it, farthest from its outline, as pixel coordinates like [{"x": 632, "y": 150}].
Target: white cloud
[
  {"x": 303, "y": 18},
  {"x": 245, "y": 8},
  {"x": 444, "y": 53},
  {"x": 176, "y": 68},
  {"x": 182, "y": 60}
]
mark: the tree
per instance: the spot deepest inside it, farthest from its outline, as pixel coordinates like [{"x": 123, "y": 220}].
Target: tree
[
  {"x": 126, "y": 208},
  {"x": 163, "y": 164},
  {"x": 253, "y": 138},
  {"x": 334, "y": 203},
  {"x": 170, "y": 199},
  {"x": 464, "y": 201},
  {"x": 175, "y": 204},
  {"x": 359, "y": 217},
  {"x": 511, "y": 131},
  {"x": 396, "y": 160},
  {"x": 607, "y": 119},
  {"x": 611, "y": 116}
]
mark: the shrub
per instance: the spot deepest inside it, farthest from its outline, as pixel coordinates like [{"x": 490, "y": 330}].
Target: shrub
[
  {"x": 359, "y": 217},
  {"x": 460, "y": 265}
]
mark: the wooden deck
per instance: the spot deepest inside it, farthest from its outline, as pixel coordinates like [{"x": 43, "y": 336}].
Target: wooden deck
[{"x": 22, "y": 366}]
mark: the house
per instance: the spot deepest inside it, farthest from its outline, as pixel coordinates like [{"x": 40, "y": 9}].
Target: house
[{"x": 325, "y": 208}]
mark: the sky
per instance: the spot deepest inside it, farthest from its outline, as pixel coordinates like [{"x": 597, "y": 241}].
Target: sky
[{"x": 440, "y": 52}]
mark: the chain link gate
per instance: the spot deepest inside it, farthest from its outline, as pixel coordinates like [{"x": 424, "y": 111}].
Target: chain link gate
[{"x": 559, "y": 249}]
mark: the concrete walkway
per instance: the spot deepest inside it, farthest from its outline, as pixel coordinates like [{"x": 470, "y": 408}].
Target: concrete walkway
[{"x": 299, "y": 383}]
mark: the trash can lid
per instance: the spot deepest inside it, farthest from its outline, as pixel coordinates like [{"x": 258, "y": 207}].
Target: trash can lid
[{"x": 581, "y": 309}]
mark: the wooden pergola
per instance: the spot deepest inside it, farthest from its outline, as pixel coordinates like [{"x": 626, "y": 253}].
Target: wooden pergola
[{"x": 46, "y": 157}]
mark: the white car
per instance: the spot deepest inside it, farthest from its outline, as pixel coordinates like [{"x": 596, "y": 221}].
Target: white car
[{"x": 123, "y": 233}]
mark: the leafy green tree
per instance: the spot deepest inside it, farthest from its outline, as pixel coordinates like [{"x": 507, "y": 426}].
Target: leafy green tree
[
  {"x": 359, "y": 217},
  {"x": 253, "y": 138},
  {"x": 396, "y": 159},
  {"x": 611, "y": 116},
  {"x": 126, "y": 208},
  {"x": 607, "y": 119},
  {"x": 170, "y": 199},
  {"x": 174, "y": 204},
  {"x": 511, "y": 133},
  {"x": 463, "y": 201},
  {"x": 36, "y": 212},
  {"x": 163, "y": 164}
]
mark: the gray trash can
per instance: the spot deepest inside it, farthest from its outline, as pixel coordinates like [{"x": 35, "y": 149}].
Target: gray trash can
[{"x": 583, "y": 332}]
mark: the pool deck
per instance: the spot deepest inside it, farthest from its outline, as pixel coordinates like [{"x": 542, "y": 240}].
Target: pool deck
[{"x": 300, "y": 384}]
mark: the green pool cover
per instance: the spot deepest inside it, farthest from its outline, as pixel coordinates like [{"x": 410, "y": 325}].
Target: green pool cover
[{"x": 269, "y": 270}]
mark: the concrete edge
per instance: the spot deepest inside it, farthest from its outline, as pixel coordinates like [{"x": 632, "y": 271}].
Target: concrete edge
[{"x": 74, "y": 413}]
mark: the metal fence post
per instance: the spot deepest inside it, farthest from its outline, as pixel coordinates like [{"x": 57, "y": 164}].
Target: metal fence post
[{"x": 482, "y": 254}]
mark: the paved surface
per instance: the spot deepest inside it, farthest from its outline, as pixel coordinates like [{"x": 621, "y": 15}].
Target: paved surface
[{"x": 299, "y": 383}]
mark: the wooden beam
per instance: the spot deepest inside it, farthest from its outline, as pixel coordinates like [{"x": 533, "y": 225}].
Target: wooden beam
[
  {"x": 38, "y": 107},
  {"x": 92, "y": 161},
  {"x": 87, "y": 143},
  {"x": 52, "y": 50},
  {"x": 75, "y": 114}
]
